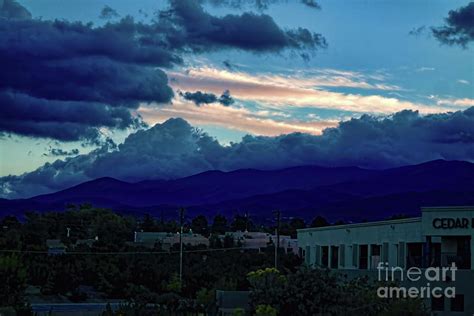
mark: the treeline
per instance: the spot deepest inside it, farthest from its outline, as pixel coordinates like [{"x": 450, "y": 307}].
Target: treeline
[
  {"x": 111, "y": 268},
  {"x": 114, "y": 230}
]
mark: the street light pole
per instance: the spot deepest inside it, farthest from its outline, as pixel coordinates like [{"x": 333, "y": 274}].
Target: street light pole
[
  {"x": 277, "y": 233},
  {"x": 181, "y": 221}
]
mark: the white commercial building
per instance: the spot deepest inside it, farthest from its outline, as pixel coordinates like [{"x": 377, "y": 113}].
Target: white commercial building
[
  {"x": 260, "y": 240},
  {"x": 440, "y": 237},
  {"x": 166, "y": 240}
]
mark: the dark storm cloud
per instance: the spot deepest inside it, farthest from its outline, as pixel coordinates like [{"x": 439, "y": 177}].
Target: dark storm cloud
[
  {"x": 11, "y": 9},
  {"x": 66, "y": 80},
  {"x": 189, "y": 25},
  {"x": 200, "y": 98},
  {"x": 62, "y": 152},
  {"x": 90, "y": 80},
  {"x": 108, "y": 13},
  {"x": 458, "y": 28},
  {"x": 105, "y": 72},
  {"x": 62, "y": 120},
  {"x": 226, "y": 99},
  {"x": 259, "y": 4},
  {"x": 176, "y": 149}
]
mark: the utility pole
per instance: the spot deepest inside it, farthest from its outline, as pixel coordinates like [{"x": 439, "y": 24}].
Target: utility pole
[
  {"x": 277, "y": 233},
  {"x": 181, "y": 222},
  {"x": 247, "y": 221}
]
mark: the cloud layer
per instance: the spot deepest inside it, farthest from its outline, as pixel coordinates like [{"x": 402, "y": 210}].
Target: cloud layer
[
  {"x": 199, "y": 98},
  {"x": 188, "y": 25},
  {"x": 307, "y": 90},
  {"x": 459, "y": 27},
  {"x": 66, "y": 80},
  {"x": 176, "y": 149}
]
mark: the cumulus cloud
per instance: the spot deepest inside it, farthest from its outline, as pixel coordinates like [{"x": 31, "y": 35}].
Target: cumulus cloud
[
  {"x": 189, "y": 25},
  {"x": 11, "y": 9},
  {"x": 53, "y": 70},
  {"x": 176, "y": 149},
  {"x": 58, "y": 119},
  {"x": 458, "y": 28},
  {"x": 199, "y": 98},
  {"x": 66, "y": 80}
]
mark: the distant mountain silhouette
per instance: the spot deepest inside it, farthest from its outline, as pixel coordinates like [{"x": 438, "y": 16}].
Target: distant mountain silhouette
[{"x": 348, "y": 193}]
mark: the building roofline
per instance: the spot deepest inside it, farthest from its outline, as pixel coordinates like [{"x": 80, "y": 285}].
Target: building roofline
[
  {"x": 447, "y": 208},
  {"x": 356, "y": 225}
]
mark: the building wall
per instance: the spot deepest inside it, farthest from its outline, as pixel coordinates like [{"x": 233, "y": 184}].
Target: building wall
[
  {"x": 396, "y": 237},
  {"x": 390, "y": 235}
]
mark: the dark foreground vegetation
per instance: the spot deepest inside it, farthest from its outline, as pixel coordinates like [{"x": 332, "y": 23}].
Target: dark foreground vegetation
[{"x": 102, "y": 264}]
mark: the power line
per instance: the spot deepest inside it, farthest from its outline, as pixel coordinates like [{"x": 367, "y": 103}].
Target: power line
[
  {"x": 181, "y": 220},
  {"x": 121, "y": 252},
  {"x": 277, "y": 233}
]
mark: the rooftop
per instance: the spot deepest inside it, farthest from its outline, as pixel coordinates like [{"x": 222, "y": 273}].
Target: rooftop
[{"x": 355, "y": 225}]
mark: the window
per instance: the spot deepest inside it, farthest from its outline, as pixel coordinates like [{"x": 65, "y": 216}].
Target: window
[
  {"x": 334, "y": 257},
  {"x": 385, "y": 252},
  {"x": 396, "y": 256},
  {"x": 414, "y": 254},
  {"x": 375, "y": 255},
  {"x": 437, "y": 304},
  {"x": 457, "y": 303},
  {"x": 342, "y": 255},
  {"x": 355, "y": 255},
  {"x": 363, "y": 256},
  {"x": 325, "y": 256},
  {"x": 317, "y": 255},
  {"x": 401, "y": 254},
  {"x": 307, "y": 255}
]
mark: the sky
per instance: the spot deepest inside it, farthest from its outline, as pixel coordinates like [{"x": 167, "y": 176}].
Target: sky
[{"x": 74, "y": 90}]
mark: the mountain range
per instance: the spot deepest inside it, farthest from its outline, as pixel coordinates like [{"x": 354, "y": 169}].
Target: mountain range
[{"x": 347, "y": 193}]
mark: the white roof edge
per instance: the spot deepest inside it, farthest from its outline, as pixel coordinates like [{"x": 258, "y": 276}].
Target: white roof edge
[{"x": 356, "y": 225}]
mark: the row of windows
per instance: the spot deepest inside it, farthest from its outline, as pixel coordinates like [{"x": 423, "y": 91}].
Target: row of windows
[{"x": 362, "y": 258}]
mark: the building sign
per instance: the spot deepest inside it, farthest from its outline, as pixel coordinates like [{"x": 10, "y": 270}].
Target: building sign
[{"x": 453, "y": 223}]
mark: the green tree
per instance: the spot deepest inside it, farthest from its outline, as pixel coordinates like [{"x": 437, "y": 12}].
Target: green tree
[
  {"x": 229, "y": 241},
  {"x": 35, "y": 231},
  {"x": 215, "y": 241},
  {"x": 290, "y": 228},
  {"x": 324, "y": 292},
  {"x": 219, "y": 225},
  {"x": 268, "y": 287},
  {"x": 174, "y": 285},
  {"x": 199, "y": 225},
  {"x": 238, "y": 312},
  {"x": 13, "y": 281},
  {"x": 265, "y": 310},
  {"x": 10, "y": 222},
  {"x": 205, "y": 298},
  {"x": 241, "y": 223},
  {"x": 319, "y": 221},
  {"x": 148, "y": 223}
]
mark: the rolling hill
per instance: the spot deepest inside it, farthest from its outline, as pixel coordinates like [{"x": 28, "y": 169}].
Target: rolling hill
[{"x": 349, "y": 193}]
